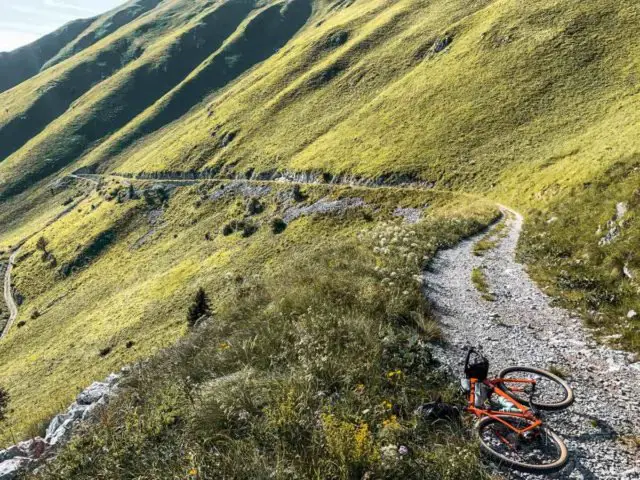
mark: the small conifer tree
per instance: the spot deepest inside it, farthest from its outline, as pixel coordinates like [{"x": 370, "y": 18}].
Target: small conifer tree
[
  {"x": 199, "y": 308},
  {"x": 4, "y": 404},
  {"x": 42, "y": 245}
]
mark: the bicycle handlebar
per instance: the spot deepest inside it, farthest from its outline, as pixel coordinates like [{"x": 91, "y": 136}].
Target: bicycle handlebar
[{"x": 466, "y": 362}]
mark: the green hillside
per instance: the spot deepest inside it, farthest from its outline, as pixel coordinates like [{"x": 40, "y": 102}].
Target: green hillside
[
  {"x": 25, "y": 62},
  {"x": 531, "y": 104}
]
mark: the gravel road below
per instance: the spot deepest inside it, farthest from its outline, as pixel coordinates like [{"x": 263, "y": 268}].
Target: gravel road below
[
  {"x": 522, "y": 328},
  {"x": 8, "y": 295}
]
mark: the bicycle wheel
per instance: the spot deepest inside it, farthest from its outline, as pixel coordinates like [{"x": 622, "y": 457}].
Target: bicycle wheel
[
  {"x": 536, "y": 451},
  {"x": 552, "y": 393}
]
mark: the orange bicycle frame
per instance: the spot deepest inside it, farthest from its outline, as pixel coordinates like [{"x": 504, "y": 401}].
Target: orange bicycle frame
[{"x": 524, "y": 412}]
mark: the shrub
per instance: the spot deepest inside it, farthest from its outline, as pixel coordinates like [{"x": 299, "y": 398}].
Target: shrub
[
  {"x": 229, "y": 228},
  {"x": 199, "y": 308},
  {"x": 254, "y": 207},
  {"x": 42, "y": 245},
  {"x": 35, "y": 314},
  {"x": 4, "y": 404},
  {"x": 298, "y": 194},
  {"x": 278, "y": 225},
  {"x": 248, "y": 228},
  {"x": 132, "y": 192},
  {"x": 105, "y": 351}
]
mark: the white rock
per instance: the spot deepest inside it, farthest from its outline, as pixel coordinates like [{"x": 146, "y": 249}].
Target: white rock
[
  {"x": 10, "y": 468},
  {"x": 59, "y": 434},
  {"x": 93, "y": 393},
  {"x": 112, "y": 379},
  {"x": 632, "y": 314}
]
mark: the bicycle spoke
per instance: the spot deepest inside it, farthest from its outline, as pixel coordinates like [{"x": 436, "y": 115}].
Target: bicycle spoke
[
  {"x": 533, "y": 447},
  {"x": 545, "y": 390}
]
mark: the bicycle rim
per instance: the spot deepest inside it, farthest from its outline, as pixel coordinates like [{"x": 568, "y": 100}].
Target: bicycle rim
[
  {"x": 552, "y": 392},
  {"x": 537, "y": 451}
]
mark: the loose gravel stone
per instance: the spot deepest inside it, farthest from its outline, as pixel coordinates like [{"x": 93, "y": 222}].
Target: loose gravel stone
[{"x": 540, "y": 335}]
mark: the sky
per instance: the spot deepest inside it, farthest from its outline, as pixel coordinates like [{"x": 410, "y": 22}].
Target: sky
[{"x": 23, "y": 21}]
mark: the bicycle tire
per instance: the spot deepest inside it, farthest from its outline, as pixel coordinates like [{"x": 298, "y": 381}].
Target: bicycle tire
[
  {"x": 566, "y": 402},
  {"x": 503, "y": 460}
]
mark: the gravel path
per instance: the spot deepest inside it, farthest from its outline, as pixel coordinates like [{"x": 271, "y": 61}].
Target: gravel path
[
  {"x": 521, "y": 328},
  {"x": 7, "y": 287},
  {"x": 8, "y": 294}
]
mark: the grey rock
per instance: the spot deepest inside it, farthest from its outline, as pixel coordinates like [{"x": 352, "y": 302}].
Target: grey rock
[
  {"x": 27, "y": 454},
  {"x": 93, "y": 393},
  {"x": 410, "y": 215},
  {"x": 10, "y": 469},
  {"x": 324, "y": 206}
]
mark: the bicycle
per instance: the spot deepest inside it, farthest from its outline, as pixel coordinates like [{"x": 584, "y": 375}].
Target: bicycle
[{"x": 509, "y": 426}]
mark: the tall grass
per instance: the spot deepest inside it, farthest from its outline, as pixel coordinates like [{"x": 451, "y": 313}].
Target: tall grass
[{"x": 312, "y": 369}]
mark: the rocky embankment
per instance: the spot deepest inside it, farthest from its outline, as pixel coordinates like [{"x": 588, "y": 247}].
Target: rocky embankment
[{"x": 31, "y": 454}]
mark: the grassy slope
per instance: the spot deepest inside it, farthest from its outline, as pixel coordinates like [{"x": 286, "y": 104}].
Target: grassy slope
[
  {"x": 102, "y": 27},
  {"x": 61, "y": 112},
  {"x": 519, "y": 87},
  {"x": 25, "y": 62},
  {"x": 108, "y": 303},
  {"x": 528, "y": 104},
  {"x": 534, "y": 104}
]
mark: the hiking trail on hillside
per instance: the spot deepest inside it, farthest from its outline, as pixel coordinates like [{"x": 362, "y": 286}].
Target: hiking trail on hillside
[
  {"x": 521, "y": 327},
  {"x": 9, "y": 300}
]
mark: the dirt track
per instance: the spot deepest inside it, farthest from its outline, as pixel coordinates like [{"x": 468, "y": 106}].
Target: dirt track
[{"x": 522, "y": 328}]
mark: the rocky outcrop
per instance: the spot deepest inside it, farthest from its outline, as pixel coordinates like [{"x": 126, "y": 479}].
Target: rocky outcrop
[
  {"x": 613, "y": 227},
  {"x": 324, "y": 207},
  {"x": 390, "y": 180},
  {"x": 30, "y": 453}
]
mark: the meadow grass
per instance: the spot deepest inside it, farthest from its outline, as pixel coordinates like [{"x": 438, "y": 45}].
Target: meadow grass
[
  {"x": 526, "y": 104},
  {"x": 480, "y": 281},
  {"x": 135, "y": 290},
  {"x": 491, "y": 239},
  {"x": 310, "y": 367}
]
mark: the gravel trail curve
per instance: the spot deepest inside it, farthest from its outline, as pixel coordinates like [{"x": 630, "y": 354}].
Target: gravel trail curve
[
  {"x": 8, "y": 295},
  {"x": 522, "y": 328},
  {"x": 8, "y": 289}
]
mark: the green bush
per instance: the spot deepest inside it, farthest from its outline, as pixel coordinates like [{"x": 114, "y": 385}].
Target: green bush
[
  {"x": 278, "y": 225},
  {"x": 4, "y": 403}
]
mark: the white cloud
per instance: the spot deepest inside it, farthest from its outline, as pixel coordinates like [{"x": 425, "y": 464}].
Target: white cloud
[
  {"x": 68, "y": 6},
  {"x": 10, "y": 40},
  {"x": 64, "y": 16},
  {"x": 25, "y": 27}
]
